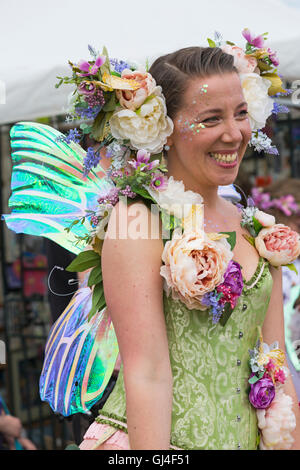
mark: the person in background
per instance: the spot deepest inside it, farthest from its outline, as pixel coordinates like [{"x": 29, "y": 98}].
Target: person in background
[{"x": 12, "y": 434}]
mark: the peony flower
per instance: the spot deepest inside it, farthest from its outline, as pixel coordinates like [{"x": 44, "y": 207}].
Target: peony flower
[
  {"x": 262, "y": 393},
  {"x": 147, "y": 128},
  {"x": 174, "y": 198},
  {"x": 260, "y": 104},
  {"x": 134, "y": 99},
  {"x": 276, "y": 423},
  {"x": 266, "y": 220},
  {"x": 193, "y": 266},
  {"x": 278, "y": 244},
  {"x": 243, "y": 62}
]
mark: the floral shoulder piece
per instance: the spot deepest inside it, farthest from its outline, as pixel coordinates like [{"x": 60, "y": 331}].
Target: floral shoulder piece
[
  {"x": 276, "y": 420},
  {"x": 277, "y": 243}
]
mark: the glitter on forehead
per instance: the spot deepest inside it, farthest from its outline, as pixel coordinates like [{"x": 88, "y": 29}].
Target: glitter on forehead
[{"x": 187, "y": 127}]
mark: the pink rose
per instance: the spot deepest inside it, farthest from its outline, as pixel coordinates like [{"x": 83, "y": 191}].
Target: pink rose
[
  {"x": 194, "y": 265},
  {"x": 133, "y": 99},
  {"x": 278, "y": 244},
  {"x": 243, "y": 62}
]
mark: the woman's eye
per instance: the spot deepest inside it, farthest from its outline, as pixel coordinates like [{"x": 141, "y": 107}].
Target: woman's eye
[
  {"x": 211, "y": 119},
  {"x": 243, "y": 113}
]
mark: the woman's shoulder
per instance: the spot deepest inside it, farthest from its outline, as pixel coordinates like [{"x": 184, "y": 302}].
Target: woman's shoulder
[
  {"x": 133, "y": 235},
  {"x": 134, "y": 220}
]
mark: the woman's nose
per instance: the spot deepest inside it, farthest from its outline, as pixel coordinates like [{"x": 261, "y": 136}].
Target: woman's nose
[{"x": 232, "y": 131}]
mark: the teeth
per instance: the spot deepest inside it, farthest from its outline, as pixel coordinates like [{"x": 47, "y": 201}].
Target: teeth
[{"x": 224, "y": 158}]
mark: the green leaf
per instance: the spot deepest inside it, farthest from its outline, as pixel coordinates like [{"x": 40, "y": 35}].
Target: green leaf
[
  {"x": 111, "y": 103},
  {"x": 256, "y": 378},
  {"x": 230, "y": 43},
  {"x": 226, "y": 315},
  {"x": 211, "y": 43},
  {"x": 83, "y": 261},
  {"x": 257, "y": 225},
  {"x": 253, "y": 380},
  {"x": 95, "y": 276},
  {"x": 292, "y": 267},
  {"x": 249, "y": 239},
  {"x": 98, "y": 300},
  {"x": 142, "y": 192},
  {"x": 231, "y": 239},
  {"x": 106, "y": 66},
  {"x": 99, "y": 125}
]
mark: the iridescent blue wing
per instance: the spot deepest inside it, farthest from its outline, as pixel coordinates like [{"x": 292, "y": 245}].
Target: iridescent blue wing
[
  {"x": 80, "y": 356},
  {"x": 48, "y": 189}
]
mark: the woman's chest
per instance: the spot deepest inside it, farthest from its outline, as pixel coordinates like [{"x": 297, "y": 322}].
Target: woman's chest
[{"x": 244, "y": 252}]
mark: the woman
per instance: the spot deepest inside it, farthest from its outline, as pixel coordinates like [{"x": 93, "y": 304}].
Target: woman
[{"x": 184, "y": 379}]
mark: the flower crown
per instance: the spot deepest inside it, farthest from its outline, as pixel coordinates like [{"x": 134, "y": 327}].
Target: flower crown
[
  {"x": 122, "y": 109},
  {"x": 261, "y": 83}
]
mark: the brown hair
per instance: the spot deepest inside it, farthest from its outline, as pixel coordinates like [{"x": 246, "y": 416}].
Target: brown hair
[{"x": 172, "y": 71}]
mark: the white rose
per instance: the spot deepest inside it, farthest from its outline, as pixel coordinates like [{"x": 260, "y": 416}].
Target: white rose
[
  {"x": 174, "y": 198},
  {"x": 260, "y": 104},
  {"x": 266, "y": 220},
  {"x": 147, "y": 128}
]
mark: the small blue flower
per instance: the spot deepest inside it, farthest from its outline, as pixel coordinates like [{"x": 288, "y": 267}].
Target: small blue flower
[
  {"x": 211, "y": 299},
  {"x": 72, "y": 136},
  {"x": 91, "y": 160},
  {"x": 119, "y": 65},
  {"x": 279, "y": 108}
]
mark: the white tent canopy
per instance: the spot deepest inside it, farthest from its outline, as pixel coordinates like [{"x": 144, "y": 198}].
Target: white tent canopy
[{"x": 37, "y": 39}]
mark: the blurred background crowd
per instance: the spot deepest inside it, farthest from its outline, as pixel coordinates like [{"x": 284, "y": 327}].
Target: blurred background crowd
[{"x": 33, "y": 53}]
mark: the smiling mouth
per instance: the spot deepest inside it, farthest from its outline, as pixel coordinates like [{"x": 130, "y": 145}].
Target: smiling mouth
[{"x": 224, "y": 158}]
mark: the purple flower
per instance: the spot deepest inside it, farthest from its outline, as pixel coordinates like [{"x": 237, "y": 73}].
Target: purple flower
[
  {"x": 273, "y": 57},
  {"x": 128, "y": 192},
  {"x": 261, "y": 199},
  {"x": 112, "y": 197},
  {"x": 233, "y": 278},
  {"x": 286, "y": 204},
  {"x": 256, "y": 41},
  {"x": 86, "y": 88},
  {"x": 262, "y": 393},
  {"x": 142, "y": 160},
  {"x": 90, "y": 69},
  {"x": 159, "y": 182}
]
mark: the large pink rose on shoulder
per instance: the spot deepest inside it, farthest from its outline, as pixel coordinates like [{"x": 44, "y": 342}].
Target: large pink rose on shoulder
[
  {"x": 133, "y": 99},
  {"x": 279, "y": 244},
  {"x": 243, "y": 62},
  {"x": 194, "y": 265}
]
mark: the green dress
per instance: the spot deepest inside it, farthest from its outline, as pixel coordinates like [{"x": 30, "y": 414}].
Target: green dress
[{"x": 210, "y": 366}]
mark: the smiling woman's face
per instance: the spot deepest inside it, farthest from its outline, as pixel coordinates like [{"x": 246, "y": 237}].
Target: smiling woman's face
[{"x": 211, "y": 132}]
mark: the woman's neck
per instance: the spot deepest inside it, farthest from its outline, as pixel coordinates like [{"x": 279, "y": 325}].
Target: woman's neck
[{"x": 209, "y": 192}]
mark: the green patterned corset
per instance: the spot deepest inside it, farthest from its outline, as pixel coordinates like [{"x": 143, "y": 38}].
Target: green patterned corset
[{"x": 210, "y": 365}]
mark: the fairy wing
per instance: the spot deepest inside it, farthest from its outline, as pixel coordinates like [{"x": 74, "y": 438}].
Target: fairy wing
[
  {"x": 48, "y": 190},
  {"x": 80, "y": 356}
]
